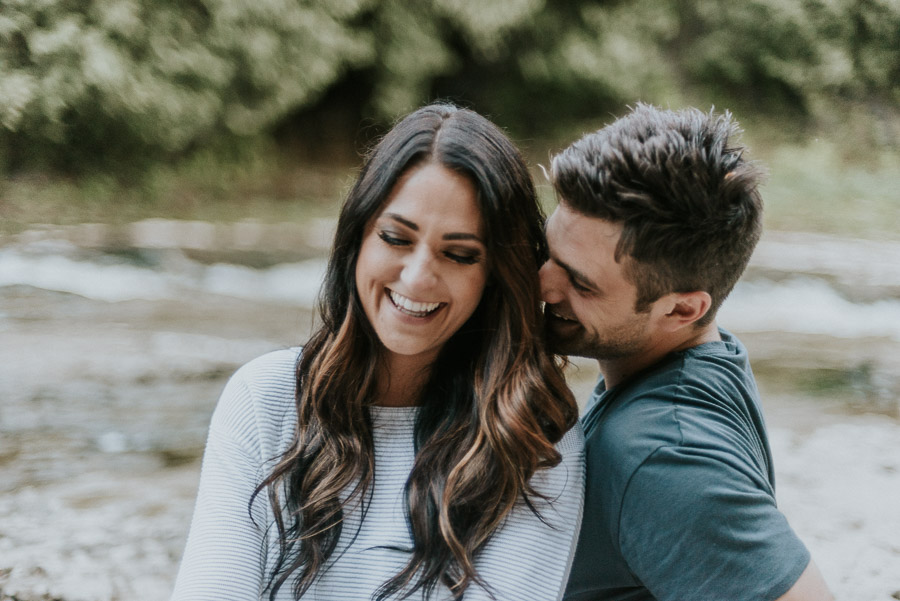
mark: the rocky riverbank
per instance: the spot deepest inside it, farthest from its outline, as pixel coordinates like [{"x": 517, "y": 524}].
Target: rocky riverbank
[{"x": 111, "y": 360}]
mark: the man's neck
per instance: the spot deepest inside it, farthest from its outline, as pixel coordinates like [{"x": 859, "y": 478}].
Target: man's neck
[{"x": 616, "y": 371}]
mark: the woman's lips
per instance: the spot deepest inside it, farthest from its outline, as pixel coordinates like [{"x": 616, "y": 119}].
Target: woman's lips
[{"x": 407, "y": 306}]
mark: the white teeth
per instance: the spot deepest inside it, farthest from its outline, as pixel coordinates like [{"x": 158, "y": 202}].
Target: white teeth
[
  {"x": 563, "y": 317},
  {"x": 412, "y": 307}
]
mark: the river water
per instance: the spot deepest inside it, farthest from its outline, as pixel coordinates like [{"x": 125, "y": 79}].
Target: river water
[{"x": 116, "y": 341}]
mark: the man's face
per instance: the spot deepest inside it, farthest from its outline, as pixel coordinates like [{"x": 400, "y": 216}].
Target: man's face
[{"x": 590, "y": 304}]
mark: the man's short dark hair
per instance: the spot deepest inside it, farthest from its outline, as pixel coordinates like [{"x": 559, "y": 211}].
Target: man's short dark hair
[{"x": 687, "y": 199}]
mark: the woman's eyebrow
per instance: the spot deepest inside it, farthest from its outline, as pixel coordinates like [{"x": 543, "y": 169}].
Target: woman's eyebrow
[
  {"x": 402, "y": 220},
  {"x": 462, "y": 236}
]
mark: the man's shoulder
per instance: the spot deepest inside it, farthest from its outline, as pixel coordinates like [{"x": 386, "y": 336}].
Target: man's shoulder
[
  {"x": 622, "y": 435},
  {"x": 635, "y": 409},
  {"x": 669, "y": 405},
  {"x": 708, "y": 376}
]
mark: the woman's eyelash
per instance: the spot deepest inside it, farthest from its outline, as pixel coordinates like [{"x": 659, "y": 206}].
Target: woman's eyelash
[
  {"x": 392, "y": 240},
  {"x": 464, "y": 259}
]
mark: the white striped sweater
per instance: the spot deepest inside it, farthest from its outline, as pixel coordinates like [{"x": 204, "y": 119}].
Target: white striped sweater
[{"x": 229, "y": 558}]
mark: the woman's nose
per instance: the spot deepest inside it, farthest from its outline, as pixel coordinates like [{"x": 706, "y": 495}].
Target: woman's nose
[{"x": 420, "y": 271}]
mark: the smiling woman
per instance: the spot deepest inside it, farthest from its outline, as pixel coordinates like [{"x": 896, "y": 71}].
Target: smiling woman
[
  {"x": 422, "y": 269},
  {"x": 423, "y": 437}
]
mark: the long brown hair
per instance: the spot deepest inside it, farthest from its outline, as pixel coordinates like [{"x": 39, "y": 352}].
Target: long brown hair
[{"x": 492, "y": 409}]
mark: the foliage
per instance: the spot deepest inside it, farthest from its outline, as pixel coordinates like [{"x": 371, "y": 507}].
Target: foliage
[
  {"x": 115, "y": 79},
  {"x": 104, "y": 84},
  {"x": 790, "y": 56}
]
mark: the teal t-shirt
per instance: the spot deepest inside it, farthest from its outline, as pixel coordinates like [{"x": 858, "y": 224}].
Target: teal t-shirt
[{"x": 680, "y": 492}]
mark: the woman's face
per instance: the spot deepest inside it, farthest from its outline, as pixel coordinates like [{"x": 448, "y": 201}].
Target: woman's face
[{"x": 422, "y": 265}]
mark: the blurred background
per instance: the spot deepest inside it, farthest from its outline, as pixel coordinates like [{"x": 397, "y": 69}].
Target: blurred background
[{"x": 170, "y": 173}]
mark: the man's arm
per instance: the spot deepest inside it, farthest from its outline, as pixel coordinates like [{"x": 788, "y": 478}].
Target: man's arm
[
  {"x": 697, "y": 524},
  {"x": 809, "y": 587}
]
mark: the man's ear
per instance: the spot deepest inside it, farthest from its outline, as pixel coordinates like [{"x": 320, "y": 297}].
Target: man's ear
[{"x": 685, "y": 309}]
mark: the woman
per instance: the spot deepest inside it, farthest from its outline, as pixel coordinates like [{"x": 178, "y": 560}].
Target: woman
[{"x": 422, "y": 444}]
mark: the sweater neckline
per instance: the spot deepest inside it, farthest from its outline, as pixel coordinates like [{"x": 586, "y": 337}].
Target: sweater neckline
[{"x": 393, "y": 416}]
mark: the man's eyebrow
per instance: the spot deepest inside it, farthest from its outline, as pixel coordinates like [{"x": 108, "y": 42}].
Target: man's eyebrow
[
  {"x": 576, "y": 275},
  {"x": 449, "y": 236}
]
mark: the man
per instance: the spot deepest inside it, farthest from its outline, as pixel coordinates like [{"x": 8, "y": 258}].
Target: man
[{"x": 658, "y": 216}]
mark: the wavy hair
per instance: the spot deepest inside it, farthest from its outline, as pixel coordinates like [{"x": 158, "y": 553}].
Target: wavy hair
[{"x": 491, "y": 411}]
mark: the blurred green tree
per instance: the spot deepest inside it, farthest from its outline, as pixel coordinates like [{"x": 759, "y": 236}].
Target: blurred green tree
[
  {"x": 98, "y": 84},
  {"x": 780, "y": 55},
  {"x": 116, "y": 81}
]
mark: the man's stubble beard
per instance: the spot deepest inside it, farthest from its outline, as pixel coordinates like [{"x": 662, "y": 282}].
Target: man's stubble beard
[{"x": 624, "y": 341}]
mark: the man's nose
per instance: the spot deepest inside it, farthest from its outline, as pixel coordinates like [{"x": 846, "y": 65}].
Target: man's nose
[{"x": 551, "y": 293}]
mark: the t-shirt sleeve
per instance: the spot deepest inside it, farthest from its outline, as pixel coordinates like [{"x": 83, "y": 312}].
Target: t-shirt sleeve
[
  {"x": 694, "y": 526},
  {"x": 529, "y": 557},
  {"x": 224, "y": 557}
]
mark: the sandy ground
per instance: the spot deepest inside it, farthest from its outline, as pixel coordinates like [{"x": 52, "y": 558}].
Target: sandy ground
[{"x": 105, "y": 407}]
